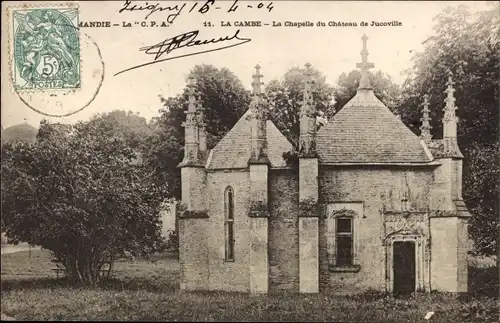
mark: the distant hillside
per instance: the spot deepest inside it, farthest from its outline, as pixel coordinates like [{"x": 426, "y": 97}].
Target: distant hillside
[{"x": 20, "y": 133}]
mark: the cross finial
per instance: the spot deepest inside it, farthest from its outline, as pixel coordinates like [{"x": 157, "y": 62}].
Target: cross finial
[
  {"x": 364, "y": 82},
  {"x": 257, "y": 82}
]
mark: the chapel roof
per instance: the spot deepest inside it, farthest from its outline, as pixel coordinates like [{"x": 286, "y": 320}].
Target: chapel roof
[
  {"x": 234, "y": 150},
  {"x": 365, "y": 131}
]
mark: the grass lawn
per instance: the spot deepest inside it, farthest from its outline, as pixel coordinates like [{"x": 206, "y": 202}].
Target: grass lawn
[{"x": 149, "y": 291}]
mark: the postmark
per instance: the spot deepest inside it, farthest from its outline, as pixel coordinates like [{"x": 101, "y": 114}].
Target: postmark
[
  {"x": 46, "y": 48},
  {"x": 59, "y": 72}
]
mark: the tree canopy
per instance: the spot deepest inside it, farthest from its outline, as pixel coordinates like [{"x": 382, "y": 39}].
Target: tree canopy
[
  {"x": 133, "y": 128},
  {"x": 285, "y": 99}
]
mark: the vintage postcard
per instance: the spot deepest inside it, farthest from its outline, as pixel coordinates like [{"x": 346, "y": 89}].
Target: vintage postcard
[{"x": 237, "y": 160}]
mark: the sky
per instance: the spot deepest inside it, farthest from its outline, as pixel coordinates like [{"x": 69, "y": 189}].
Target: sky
[{"x": 332, "y": 50}]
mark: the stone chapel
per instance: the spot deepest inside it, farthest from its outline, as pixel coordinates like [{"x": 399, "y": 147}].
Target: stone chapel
[{"x": 370, "y": 205}]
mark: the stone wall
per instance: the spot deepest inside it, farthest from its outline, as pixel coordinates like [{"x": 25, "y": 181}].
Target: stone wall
[
  {"x": 449, "y": 254},
  {"x": 193, "y": 260},
  {"x": 380, "y": 189},
  {"x": 462, "y": 250},
  {"x": 224, "y": 275},
  {"x": 283, "y": 231},
  {"x": 444, "y": 260},
  {"x": 376, "y": 194}
]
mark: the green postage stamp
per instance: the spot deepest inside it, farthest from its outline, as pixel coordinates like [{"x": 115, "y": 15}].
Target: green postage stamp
[{"x": 46, "y": 47}]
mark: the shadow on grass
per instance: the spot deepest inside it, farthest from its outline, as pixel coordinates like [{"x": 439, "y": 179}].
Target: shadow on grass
[
  {"x": 33, "y": 283},
  {"x": 114, "y": 284},
  {"x": 483, "y": 282},
  {"x": 139, "y": 284}
]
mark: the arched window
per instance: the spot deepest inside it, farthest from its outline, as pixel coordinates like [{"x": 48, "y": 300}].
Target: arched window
[{"x": 229, "y": 223}]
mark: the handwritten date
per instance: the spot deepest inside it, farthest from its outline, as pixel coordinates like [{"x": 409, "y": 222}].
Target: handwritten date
[{"x": 174, "y": 11}]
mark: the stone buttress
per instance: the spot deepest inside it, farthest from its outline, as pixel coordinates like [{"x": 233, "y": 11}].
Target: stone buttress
[
  {"x": 259, "y": 204},
  {"x": 448, "y": 219},
  {"x": 192, "y": 213},
  {"x": 308, "y": 194}
]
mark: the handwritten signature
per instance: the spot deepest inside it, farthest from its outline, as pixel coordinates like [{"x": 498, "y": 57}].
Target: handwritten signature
[{"x": 185, "y": 40}]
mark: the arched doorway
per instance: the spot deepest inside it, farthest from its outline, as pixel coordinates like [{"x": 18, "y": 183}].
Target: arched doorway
[{"x": 405, "y": 270}]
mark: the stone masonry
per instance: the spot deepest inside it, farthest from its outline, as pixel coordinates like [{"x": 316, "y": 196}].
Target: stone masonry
[{"x": 363, "y": 189}]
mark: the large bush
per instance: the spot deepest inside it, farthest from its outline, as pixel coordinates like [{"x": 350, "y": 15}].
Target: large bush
[{"x": 80, "y": 193}]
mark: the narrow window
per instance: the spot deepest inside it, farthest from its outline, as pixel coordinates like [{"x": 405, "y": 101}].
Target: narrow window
[
  {"x": 344, "y": 241},
  {"x": 229, "y": 223},
  {"x": 405, "y": 195}
]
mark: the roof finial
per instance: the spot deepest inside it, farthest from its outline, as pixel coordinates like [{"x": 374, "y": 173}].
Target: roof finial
[
  {"x": 191, "y": 149},
  {"x": 425, "y": 128},
  {"x": 307, "y": 125},
  {"x": 307, "y": 101},
  {"x": 364, "y": 82},
  {"x": 258, "y": 118},
  {"x": 449, "y": 109},
  {"x": 191, "y": 95},
  {"x": 257, "y": 82}
]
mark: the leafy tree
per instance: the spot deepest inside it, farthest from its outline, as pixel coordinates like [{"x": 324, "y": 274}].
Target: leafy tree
[
  {"x": 224, "y": 101},
  {"x": 167, "y": 145},
  {"x": 285, "y": 99},
  {"x": 383, "y": 87},
  {"x": 82, "y": 197},
  {"x": 133, "y": 128},
  {"x": 53, "y": 131},
  {"x": 468, "y": 45}
]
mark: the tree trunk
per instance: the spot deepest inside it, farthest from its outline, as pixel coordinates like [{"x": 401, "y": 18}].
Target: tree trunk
[
  {"x": 110, "y": 269},
  {"x": 81, "y": 271}
]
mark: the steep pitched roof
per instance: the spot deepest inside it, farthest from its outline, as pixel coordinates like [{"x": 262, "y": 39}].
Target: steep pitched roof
[
  {"x": 234, "y": 150},
  {"x": 366, "y": 131}
]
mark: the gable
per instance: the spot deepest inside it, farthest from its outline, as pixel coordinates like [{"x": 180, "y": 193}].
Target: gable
[{"x": 234, "y": 150}]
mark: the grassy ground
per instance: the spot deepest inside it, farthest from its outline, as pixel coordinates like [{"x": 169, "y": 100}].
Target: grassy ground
[{"x": 149, "y": 291}]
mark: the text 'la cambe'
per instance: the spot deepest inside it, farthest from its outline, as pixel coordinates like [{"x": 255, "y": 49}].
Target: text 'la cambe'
[{"x": 300, "y": 24}]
